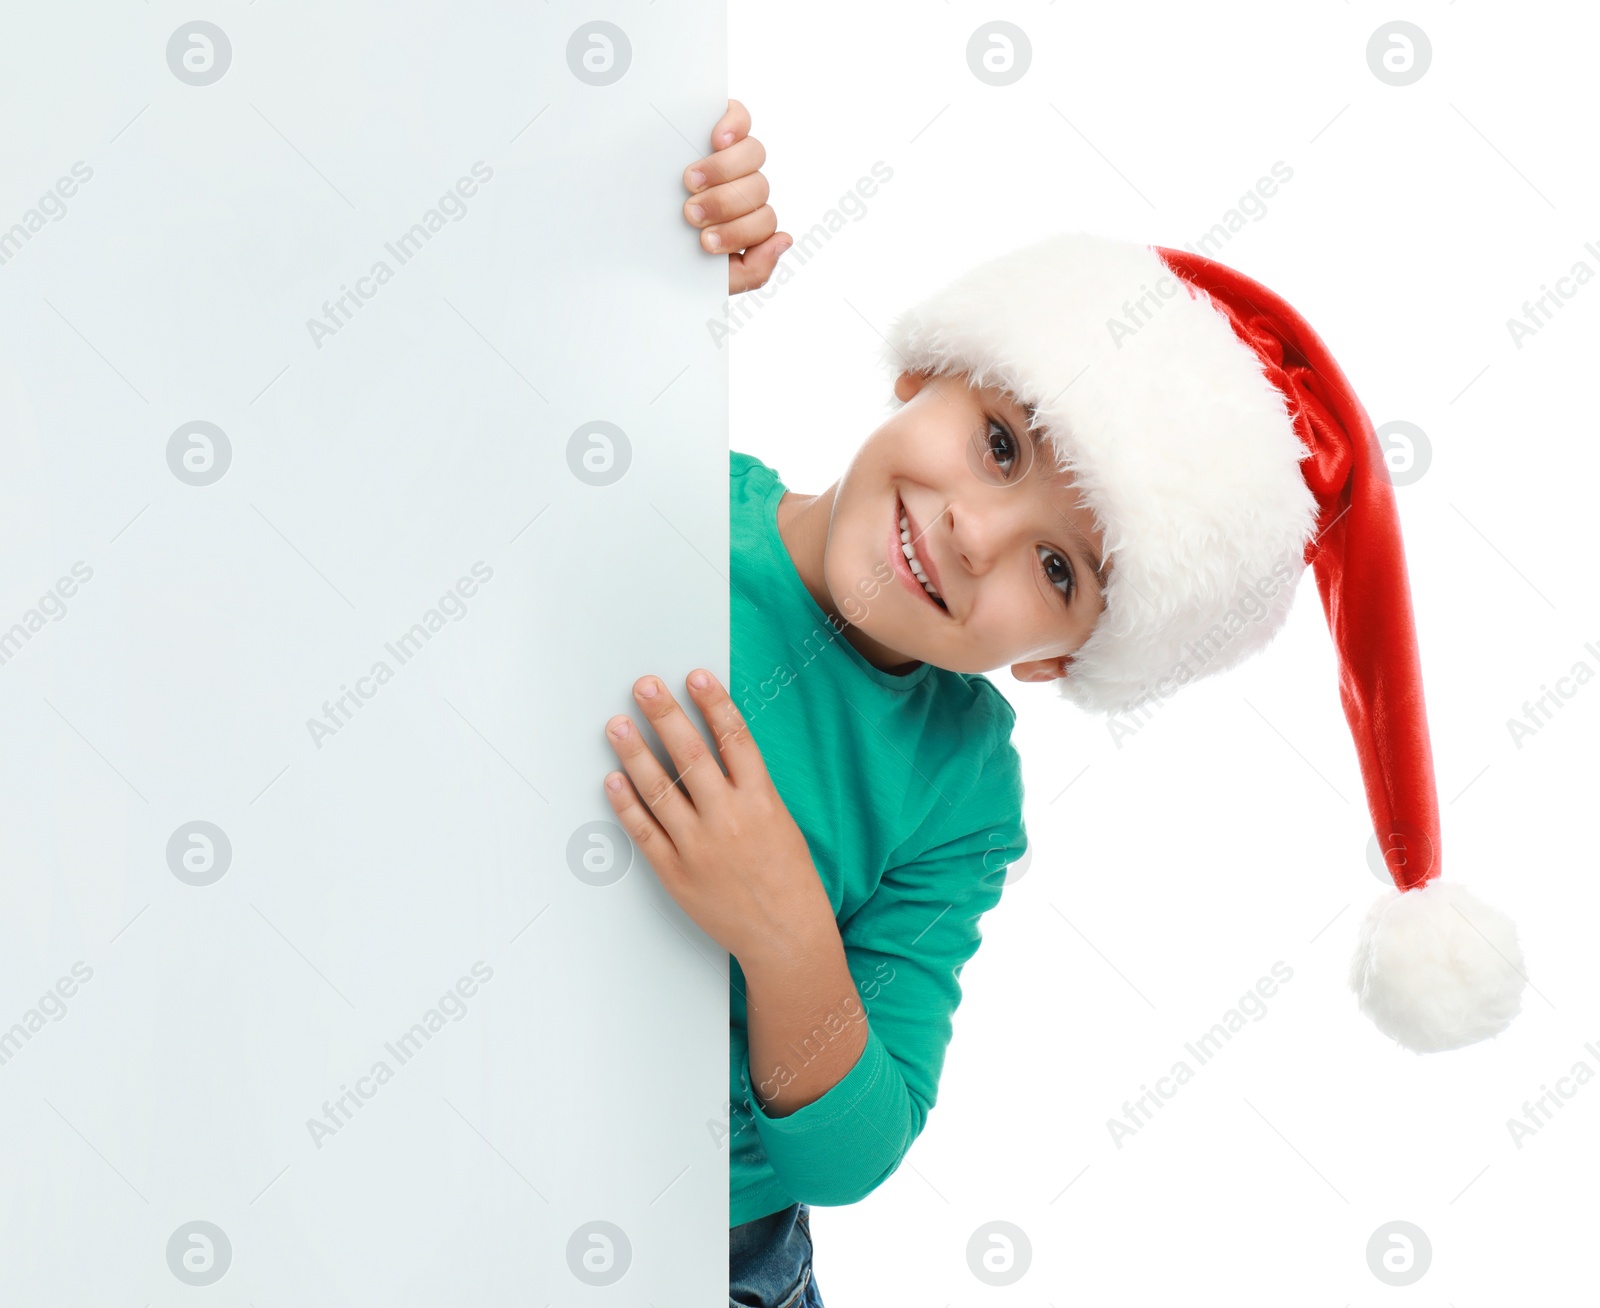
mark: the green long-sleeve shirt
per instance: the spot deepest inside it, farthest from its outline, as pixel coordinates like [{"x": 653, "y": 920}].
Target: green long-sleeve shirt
[{"x": 909, "y": 794}]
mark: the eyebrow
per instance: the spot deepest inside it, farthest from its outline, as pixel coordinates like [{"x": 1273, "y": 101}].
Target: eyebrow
[
  {"x": 1096, "y": 563},
  {"x": 1087, "y": 551}
]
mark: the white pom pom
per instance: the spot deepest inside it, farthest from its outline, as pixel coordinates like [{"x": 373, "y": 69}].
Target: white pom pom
[{"x": 1436, "y": 968}]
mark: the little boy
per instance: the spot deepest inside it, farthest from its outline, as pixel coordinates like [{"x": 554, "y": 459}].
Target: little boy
[
  {"x": 861, "y": 621},
  {"x": 1111, "y": 464}
]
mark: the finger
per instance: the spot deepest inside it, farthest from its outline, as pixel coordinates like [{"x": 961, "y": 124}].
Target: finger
[
  {"x": 666, "y": 803},
  {"x": 695, "y": 760},
  {"x": 741, "y": 233},
  {"x": 728, "y": 165},
  {"x": 720, "y": 204},
  {"x": 751, "y": 270},
  {"x": 734, "y": 125},
  {"x": 649, "y": 837},
  {"x": 737, "y": 746}
]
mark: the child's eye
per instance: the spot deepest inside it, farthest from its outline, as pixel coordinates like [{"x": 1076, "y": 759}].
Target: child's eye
[
  {"x": 1007, "y": 441},
  {"x": 1066, "y": 569}
]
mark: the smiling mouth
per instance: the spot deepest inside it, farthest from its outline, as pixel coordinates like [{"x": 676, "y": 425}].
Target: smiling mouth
[{"x": 907, "y": 564}]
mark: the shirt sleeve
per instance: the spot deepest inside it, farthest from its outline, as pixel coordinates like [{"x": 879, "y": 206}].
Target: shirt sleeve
[{"x": 905, "y": 947}]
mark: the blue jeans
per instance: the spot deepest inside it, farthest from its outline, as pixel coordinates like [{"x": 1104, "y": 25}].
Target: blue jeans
[{"x": 769, "y": 1262}]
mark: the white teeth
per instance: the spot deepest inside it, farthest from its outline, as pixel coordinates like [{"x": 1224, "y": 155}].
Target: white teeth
[{"x": 911, "y": 558}]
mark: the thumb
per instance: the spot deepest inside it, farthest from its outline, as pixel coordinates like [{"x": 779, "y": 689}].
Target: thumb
[{"x": 754, "y": 267}]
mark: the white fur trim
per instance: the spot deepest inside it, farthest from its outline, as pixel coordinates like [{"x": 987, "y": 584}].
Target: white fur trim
[
  {"x": 1181, "y": 447},
  {"x": 1435, "y": 968}
]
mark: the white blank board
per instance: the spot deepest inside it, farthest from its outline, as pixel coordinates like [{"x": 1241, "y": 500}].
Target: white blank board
[{"x": 360, "y": 445}]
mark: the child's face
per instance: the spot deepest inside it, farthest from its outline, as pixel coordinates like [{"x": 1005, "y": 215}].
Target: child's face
[{"x": 998, "y": 529}]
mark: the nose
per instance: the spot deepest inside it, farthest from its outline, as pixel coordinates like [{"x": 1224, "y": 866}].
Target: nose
[{"x": 985, "y": 528}]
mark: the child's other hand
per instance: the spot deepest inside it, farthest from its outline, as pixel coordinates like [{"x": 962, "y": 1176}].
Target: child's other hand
[
  {"x": 728, "y": 203},
  {"x": 728, "y": 852}
]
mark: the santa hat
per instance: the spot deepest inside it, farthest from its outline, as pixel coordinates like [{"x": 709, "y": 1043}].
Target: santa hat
[{"x": 1222, "y": 451}]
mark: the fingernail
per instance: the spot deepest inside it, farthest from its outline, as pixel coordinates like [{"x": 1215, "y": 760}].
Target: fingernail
[
  {"x": 713, "y": 240},
  {"x": 648, "y": 690},
  {"x": 727, "y": 138},
  {"x": 698, "y": 680},
  {"x": 696, "y": 213},
  {"x": 697, "y": 179},
  {"x": 620, "y": 730},
  {"x": 614, "y": 781}
]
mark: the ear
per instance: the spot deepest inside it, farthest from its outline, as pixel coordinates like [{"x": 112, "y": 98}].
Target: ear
[
  {"x": 908, "y": 384},
  {"x": 1041, "y": 669}
]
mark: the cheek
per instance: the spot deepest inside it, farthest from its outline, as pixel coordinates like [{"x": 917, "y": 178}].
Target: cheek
[
  {"x": 875, "y": 587},
  {"x": 857, "y": 584},
  {"x": 1016, "y": 619}
]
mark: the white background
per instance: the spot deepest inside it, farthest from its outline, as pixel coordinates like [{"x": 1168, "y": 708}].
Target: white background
[{"x": 1167, "y": 876}]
